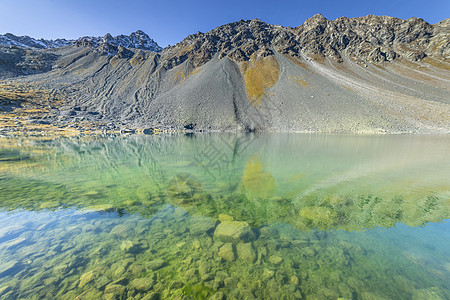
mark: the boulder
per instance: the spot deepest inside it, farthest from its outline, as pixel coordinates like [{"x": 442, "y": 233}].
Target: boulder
[{"x": 234, "y": 232}]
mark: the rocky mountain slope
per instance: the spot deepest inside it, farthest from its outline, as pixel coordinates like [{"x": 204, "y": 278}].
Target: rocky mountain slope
[
  {"x": 362, "y": 75},
  {"x": 137, "y": 40}
]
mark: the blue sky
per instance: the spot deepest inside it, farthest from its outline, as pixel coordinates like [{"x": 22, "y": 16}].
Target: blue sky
[{"x": 169, "y": 21}]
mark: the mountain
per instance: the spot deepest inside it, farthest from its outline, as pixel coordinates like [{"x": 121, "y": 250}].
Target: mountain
[
  {"x": 138, "y": 40},
  {"x": 372, "y": 74},
  {"x": 10, "y": 39}
]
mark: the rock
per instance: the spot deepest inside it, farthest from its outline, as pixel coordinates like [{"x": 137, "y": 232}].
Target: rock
[
  {"x": 223, "y": 217},
  {"x": 226, "y": 252},
  {"x": 267, "y": 274},
  {"x": 231, "y": 282},
  {"x": 114, "y": 291},
  {"x": 12, "y": 243},
  {"x": 127, "y": 130},
  {"x": 429, "y": 293},
  {"x": 234, "y": 232},
  {"x": 142, "y": 284},
  {"x": 88, "y": 227},
  {"x": 4, "y": 289},
  {"x": 246, "y": 294},
  {"x": 11, "y": 230},
  {"x": 183, "y": 187},
  {"x": 130, "y": 247},
  {"x": 176, "y": 284},
  {"x": 294, "y": 280},
  {"x": 207, "y": 277},
  {"x": 217, "y": 296},
  {"x": 136, "y": 270},
  {"x": 121, "y": 230},
  {"x": 155, "y": 264},
  {"x": 204, "y": 267},
  {"x": 191, "y": 274},
  {"x": 86, "y": 278},
  {"x": 119, "y": 271},
  {"x": 200, "y": 226},
  {"x": 151, "y": 296},
  {"x": 101, "y": 282},
  {"x": 246, "y": 252},
  {"x": 275, "y": 260}
]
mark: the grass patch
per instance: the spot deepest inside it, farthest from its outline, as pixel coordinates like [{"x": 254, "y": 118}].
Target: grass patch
[
  {"x": 259, "y": 74},
  {"x": 298, "y": 81},
  {"x": 297, "y": 61}
]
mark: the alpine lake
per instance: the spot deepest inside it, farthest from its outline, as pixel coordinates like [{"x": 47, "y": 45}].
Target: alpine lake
[{"x": 225, "y": 216}]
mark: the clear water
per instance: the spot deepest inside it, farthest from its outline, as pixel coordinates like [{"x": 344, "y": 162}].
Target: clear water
[{"x": 271, "y": 216}]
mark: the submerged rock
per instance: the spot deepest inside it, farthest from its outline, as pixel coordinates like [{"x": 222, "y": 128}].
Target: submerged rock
[
  {"x": 246, "y": 252},
  {"x": 142, "y": 284},
  {"x": 7, "y": 266},
  {"x": 234, "y": 232},
  {"x": 155, "y": 264},
  {"x": 217, "y": 296},
  {"x": 226, "y": 252},
  {"x": 201, "y": 225},
  {"x": 10, "y": 230},
  {"x": 121, "y": 230},
  {"x": 275, "y": 260},
  {"x": 114, "y": 291},
  {"x": 86, "y": 278}
]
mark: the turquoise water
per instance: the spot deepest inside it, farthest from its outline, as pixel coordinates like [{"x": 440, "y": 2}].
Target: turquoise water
[{"x": 270, "y": 216}]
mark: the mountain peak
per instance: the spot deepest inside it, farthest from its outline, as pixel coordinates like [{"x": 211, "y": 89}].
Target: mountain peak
[{"x": 137, "y": 39}]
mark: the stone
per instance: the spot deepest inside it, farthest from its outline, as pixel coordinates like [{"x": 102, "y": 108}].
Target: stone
[
  {"x": 294, "y": 280},
  {"x": 246, "y": 294},
  {"x": 114, "y": 291},
  {"x": 191, "y": 273},
  {"x": 155, "y": 264},
  {"x": 429, "y": 293},
  {"x": 86, "y": 278},
  {"x": 224, "y": 217},
  {"x": 176, "y": 284},
  {"x": 231, "y": 282},
  {"x": 226, "y": 252},
  {"x": 126, "y": 245},
  {"x": 207, "y": 277},
  {"x": 267, "y": 274},
  {"x": 151, "y": 296},
  {"x": 88, "y": 227},
  {"x": 4, "y": 289},
  {"x": 142, "y": 284},
  {"x": 217, "y": 296},
  {"x": 101, "y": 282},
  {"x": 7, "y": 266},
  {"x": 246, "y": 252},
  {"x": 119, "y": 271},
  {"x": 12, "y": 243},
  {"x": 234, "y": 232},
  {"x": 136, "y": 270},
  {"x": 121, "y": 230},
  {"x": 130, "y": 247},
  {"x": 275, "y": 260},
  {"x": 200, "y": 226},
  {"x": 204, "y": 267}
]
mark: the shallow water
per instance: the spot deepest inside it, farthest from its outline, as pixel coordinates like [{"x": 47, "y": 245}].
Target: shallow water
[{"x": 270, "y": 216}]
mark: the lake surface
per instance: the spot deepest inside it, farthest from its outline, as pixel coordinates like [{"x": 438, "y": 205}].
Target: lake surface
[{"x": 227, "y": 216}]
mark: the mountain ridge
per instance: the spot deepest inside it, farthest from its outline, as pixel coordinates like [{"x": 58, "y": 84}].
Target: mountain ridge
[
  {"x": 137, "y": 39},
  {"x": 372, "y": 74}
]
